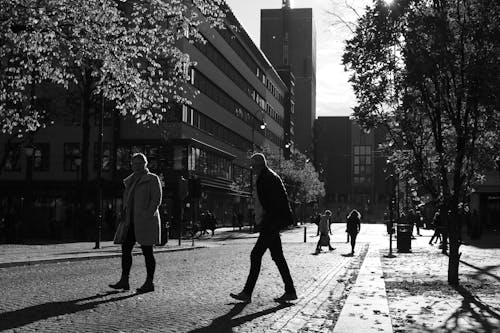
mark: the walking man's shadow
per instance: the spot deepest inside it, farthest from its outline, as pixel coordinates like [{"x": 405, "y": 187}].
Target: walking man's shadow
[
  {"x": 22, "y": 317},
  {"x": 225, "y": 323}
]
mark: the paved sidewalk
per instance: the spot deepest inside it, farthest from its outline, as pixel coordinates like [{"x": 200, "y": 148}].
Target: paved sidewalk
[
  {"x": 366, "y": 309},
  {"x": 421, "y": 300}
]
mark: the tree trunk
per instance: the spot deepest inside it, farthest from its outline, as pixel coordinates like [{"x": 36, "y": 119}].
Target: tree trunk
[
  {"x": 454, "y": 256},
  {"x": 454, "y": 239}
]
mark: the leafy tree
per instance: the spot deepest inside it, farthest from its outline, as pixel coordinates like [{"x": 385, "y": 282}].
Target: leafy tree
[
  {"x": 126, "y": 52},
  {"x": 429, "y": 72},
  {"x": 299, "y": 175}
]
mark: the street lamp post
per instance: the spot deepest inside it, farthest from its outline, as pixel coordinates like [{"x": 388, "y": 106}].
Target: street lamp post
[
  {"x": 99, "y": 175},
  {"x": 27, "y": 202},
  {"x": 392, "y": 202}
]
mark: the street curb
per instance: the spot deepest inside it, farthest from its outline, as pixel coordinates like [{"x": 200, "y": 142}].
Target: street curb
[{"x": 90, "y": 257}]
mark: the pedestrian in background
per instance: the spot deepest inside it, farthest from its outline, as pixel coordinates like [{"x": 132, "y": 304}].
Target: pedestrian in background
[
  {"x": 353, "y": 227},
  {"x": 324, "y": 231},
  {"x": 436, "y": 224},
  {"x": 272, "y": 213},
  {"x": 142, "y": 197},
  {"x": 419, "y": 222},
  {"x": 445, "y": 222}
]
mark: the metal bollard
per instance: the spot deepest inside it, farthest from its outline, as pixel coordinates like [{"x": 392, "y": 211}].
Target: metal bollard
[{"x": 305, "y": 234}]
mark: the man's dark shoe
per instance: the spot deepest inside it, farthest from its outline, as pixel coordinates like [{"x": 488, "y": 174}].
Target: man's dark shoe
[
  {"x": 120, "y": 285},
  {"x": 286, "y": 297},
  {"x": 146, "y": 288},
  {"x": 243, "y": 296}
]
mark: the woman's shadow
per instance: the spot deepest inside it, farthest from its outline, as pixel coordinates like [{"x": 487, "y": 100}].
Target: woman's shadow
[
  {"x": 225, "y": 323},
  {"x": 22, "y": 317}
]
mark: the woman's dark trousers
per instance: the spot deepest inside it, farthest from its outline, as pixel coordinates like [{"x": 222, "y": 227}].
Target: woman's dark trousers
[
  {"x": 271, "y": 241},
  {"x": 147, "y": 251},
  {"x": 353, "y": 240}
]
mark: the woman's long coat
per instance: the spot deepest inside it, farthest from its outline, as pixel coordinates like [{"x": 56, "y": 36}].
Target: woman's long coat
[{"x": 147, "y": 198}]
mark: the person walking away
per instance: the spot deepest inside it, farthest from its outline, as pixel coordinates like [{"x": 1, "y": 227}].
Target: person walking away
[
  {"x": 142, "y": 197},
  {"x": 212, "y": 222},
  {"x": 325, "y": 232},
  {"x": 353, "y": 227},
  {"x": 445, "y": 220},
  {"x": 411, "y": 221},
  {"x": 436, "y": 224},
  {"x": 272, "y": 213},
  {"x": 419, "y": 222}
]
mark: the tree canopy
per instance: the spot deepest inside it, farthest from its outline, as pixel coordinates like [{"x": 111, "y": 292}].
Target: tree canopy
[
  {"x": 429, "y": 71},
  {"x": 126, "y": 51}
]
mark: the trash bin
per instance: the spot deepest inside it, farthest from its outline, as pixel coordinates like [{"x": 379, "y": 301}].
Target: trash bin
[{"x": 404, "y": 237}]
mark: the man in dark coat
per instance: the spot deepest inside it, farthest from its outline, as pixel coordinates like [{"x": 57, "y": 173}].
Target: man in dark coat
[{"x": 272, "y": 213}]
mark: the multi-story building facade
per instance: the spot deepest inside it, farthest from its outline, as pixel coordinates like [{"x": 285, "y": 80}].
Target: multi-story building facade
[
  {"x": 288, "y": 38},
  {"x": 237, "y": 106},
  {"x": 350, "y": 165}
]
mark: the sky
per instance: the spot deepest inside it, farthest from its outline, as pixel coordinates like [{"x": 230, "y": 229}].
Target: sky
[{"x": 334, "y": 95}]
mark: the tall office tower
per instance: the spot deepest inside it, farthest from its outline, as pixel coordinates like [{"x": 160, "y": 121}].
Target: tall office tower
[{"x": 288, "y": 37}]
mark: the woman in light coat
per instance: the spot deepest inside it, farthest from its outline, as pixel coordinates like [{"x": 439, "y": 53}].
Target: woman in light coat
[{"x": 141, "y": 198}]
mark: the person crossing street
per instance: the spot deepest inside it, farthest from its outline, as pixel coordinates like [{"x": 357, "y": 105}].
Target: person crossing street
[{"x": 272, "y": 213}]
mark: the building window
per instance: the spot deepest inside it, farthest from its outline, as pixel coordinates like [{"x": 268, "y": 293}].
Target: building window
[
  {"x": 41, "y": 157},
  {"x": 362, "y": 164},
  {"x": 12, "y": 161},
  {"x": 124, "y": 153},
  {"x": 106, "y": 156},
  {"x": 71, "y": 153},
  {"x": 208, "y": 163},
  {"x": 199, "y": 120}
]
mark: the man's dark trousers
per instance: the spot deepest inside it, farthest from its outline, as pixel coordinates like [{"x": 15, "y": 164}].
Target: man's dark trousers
[{"x": 268, "y": 240}]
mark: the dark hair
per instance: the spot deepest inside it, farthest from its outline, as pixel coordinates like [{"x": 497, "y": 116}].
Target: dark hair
[{"x": 354, "y": 213}]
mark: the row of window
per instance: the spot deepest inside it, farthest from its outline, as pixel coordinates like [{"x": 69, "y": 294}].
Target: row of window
[
  {"x": 273, "y": 137},
  {"x": 362, "y": 164},
  {"x": 200, "y": 160},
  {"x": 235, "y": 44},
  {"x": 124, "y": 153},
  {"x": 227, "y": 68},
  {"x": 199, "y": 120},
  {"x": 204, "y": 85},
  {"x": 275, "y": 115},
  {"x": 41, "y": 157},
  {"x": 208, "y": 163},
  {"x": 274, "y": 91}
]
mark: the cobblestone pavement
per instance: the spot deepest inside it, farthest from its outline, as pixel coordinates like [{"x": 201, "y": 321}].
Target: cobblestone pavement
[
  {"x": 192, "y": 292},
  {"x": 420, "y": 299}
]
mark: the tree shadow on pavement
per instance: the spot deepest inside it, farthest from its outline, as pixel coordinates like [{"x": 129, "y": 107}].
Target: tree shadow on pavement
[
  {"x": 22, "y": 317},
  {"x": 475, "y": 311},
  {"x": 483, "y": 271},
  {"x": 225, "y": 323}
]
